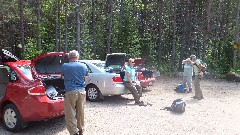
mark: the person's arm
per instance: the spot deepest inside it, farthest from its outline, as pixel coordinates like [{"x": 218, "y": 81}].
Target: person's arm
[
  {"x": 184, "y": 61},
  {"x": 86, "y": 74},
  {"x": 128, "y": 78},
  {"x": 62, "y": 75},
  {"x": 199, "y": 65}
]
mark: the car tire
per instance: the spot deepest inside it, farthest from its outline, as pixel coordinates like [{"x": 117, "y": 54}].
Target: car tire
[
  {"x": 11, "y": 118},
  {"x": 93, "y": 93}
]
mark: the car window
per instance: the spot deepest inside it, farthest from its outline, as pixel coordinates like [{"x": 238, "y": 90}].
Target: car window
[
  {"x": 26, "y": 70},
  {"x": 10, "y": 71},
  {"x": 100, "y": 65},
  {"x": 89, "y": 70}
]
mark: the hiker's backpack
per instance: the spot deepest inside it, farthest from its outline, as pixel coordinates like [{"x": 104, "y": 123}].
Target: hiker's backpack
[
  {"x": 180, "y": 88},
  {"x": 204, "y": 65},
  {"x": 178, "y": 106}
]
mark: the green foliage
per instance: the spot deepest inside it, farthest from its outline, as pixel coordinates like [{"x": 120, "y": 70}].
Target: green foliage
[
  {"x": 137, "y": 29},
  {"x": 31, "y": 50}
]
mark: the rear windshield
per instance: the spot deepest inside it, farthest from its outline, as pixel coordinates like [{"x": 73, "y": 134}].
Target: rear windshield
[{"x": 26, "y": 70}]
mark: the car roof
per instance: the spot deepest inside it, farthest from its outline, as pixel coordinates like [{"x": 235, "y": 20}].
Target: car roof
[{"x": 93, "y": 61}]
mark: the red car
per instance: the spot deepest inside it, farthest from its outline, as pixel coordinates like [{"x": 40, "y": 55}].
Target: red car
[{"x": 30, "y": 90}]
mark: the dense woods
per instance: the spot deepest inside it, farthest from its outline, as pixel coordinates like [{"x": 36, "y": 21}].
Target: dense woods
[{"x": 163, "y": 31}]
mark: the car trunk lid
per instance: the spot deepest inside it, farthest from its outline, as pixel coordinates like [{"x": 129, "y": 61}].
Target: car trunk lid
[{"x": 48, "y": 65}]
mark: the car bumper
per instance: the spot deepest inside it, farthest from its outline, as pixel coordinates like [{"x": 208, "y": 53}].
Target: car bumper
[
  {"x": 115, "y": 89},
  {"x": 37, "y": 108}
]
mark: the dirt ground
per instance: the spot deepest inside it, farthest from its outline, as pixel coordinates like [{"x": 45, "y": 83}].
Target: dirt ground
[{"x": 218, "y": 113}]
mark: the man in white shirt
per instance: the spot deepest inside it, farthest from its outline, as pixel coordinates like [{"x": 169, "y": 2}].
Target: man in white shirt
[{"x": 197, "y": 68}]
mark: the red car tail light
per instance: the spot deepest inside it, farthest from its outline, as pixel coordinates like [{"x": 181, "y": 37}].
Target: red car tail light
[
  {"x": 117, "y": 79},
  {"x": 38, "y": 90}
]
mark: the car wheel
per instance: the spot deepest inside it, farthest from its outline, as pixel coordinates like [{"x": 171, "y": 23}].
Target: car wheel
[
  {"x": 93, "y": 93},
  {"x": 12, "y": 119}
]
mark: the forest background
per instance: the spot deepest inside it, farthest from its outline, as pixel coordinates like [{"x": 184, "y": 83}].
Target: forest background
[{"x": 164, "y": 32}]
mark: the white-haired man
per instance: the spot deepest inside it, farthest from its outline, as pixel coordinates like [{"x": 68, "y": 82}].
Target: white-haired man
[
  {"x": 197, "y": 68},
  {"x": 74, "y": 74}
]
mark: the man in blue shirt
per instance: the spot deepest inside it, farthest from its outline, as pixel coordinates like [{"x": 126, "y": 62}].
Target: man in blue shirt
[
  {"x": 130, "y": 83},
  {"x": 74, "y": 74}
]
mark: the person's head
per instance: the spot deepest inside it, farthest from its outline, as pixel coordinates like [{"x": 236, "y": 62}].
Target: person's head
[
  {"x": 131, "y": 62},
  {"x": 193, "y": 58},
  {"x": 73, "y": 55}
]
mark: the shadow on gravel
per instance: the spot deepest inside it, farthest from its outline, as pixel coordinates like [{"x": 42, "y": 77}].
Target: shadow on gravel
[
  {"x": 49, "y": 127},
  {"x": 114, "y": 101}
]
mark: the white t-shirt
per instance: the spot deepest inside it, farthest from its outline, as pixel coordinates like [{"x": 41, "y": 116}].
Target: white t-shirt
[{"x": 195, "y": 68}]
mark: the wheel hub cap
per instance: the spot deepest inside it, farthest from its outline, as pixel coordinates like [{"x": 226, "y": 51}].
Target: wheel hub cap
[
  {"x": 92, "y": 93},
  {"x": 10, "y": 118}
]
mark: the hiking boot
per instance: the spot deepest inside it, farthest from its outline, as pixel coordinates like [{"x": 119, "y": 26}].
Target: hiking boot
[
  {"x": 190, "y": 91},
  {"x": 141, "y": 103},
  {"x": 77, "y": 133},
  {"x": 194, "y": 97},
  {"x": 200, "y": 98}
]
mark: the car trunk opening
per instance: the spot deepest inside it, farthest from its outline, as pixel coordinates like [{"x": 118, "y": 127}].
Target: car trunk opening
[
  {"x": 54, "y": 88},
  {"x": 48, "y": 70},
  {"x": 115, "y": 62}
]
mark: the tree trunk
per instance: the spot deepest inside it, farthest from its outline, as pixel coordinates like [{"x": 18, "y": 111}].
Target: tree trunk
[
  {"x": 237, "y": 35},
  {"x": 94, "y": 28},
  {"x": 159, "y": 41},
  {"x": 57, "y": 27},
  {"x": 174, "y": 36},
  {"x": 206, "y": 29},
  {"x": 109, "y": 35},
  {"x": 39, "y": 46},
  {"x": 78, "y": 26},
  {"x": 66, "y": 26},
  {"x": 21, "y": 29}
]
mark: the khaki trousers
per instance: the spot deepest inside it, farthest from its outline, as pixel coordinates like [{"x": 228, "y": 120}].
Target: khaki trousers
[
  {"x": 198, "y": 91},
  {"x": 74, "y": 110}
]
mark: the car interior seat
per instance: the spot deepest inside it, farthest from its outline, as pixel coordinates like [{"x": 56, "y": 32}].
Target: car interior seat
[{"x": 4, "y": 79}]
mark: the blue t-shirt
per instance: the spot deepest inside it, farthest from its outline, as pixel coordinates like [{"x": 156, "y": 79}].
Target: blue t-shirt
[
  {"x": 188, "y": 70},
  {"x": 130, "y": 70},
  {"x": 74, "y": 75}
]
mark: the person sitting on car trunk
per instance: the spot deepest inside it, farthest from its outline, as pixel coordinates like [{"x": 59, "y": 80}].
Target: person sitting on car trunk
[
  {"x": 74, "y": 74},
  {"x": 130, "y": 82}
]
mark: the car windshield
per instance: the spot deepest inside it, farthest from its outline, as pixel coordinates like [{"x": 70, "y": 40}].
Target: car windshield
[
  {"x": 100, "y": 65},
  {"x": 26, "y": 70}
]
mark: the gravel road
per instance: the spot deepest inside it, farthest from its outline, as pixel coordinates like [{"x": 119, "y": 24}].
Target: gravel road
[{"x": 217, "y": 114}]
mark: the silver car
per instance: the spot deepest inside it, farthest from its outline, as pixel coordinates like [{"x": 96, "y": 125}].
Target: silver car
[{"x": 101, "y": 83}]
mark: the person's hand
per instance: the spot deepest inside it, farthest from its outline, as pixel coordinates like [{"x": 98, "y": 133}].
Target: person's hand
[{"x": 134, "y": 84}]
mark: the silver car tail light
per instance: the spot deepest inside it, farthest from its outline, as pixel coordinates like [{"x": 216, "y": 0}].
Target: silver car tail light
[{"x": 117, "y": 79}]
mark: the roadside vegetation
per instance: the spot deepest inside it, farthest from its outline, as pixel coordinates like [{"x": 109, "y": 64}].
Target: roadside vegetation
[{"x": 163, "y": 32}]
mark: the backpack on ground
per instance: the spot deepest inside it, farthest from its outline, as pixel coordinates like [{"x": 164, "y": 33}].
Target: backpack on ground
[
  {"x": 178, "y": 106},
  {"x": 180, "y": 88}
]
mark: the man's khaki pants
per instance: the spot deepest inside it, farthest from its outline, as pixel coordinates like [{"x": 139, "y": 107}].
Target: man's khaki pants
[
  {"x": 198, "y": 91},
  {"x": 74, "y": 110}
]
